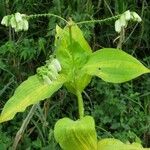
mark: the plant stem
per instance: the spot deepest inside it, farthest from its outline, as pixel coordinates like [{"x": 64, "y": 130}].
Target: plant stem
[
  {"x": 23, "y": 127},
  {"x": 70, "y": 34},
  {"x": 47, "y": 15},
  {"x": 121, "y": 38},
  {"x": 80, "y": 104},
  {"x": 99, "y": 21},
  {"x": 78, "y": 23}
]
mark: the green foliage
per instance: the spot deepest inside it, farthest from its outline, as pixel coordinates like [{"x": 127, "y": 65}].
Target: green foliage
[
  {"x": 113, "y": 144},
  {"x": 29, "y": 92},
  {"x": 114, "y": 66},
  {"x": 76, "y": 135},
  {"x": 72, "y": 55},
  {"x": 121, "y": 110},
  {"x": 5, "y": 141}
]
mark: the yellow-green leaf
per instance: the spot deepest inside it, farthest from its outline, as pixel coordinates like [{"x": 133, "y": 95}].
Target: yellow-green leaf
[
  {"x": 114, "y": 144},
  {"x": 114, "y": 66},
  {"x": 76, "y": 135},
  {"x": 29, "y": 92},
  {"x": 73, "y": 56}
]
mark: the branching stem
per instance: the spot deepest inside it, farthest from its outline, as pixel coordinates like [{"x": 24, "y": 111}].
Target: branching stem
[
  {"x": 78, "y": 23},
  {"x": 47, "y": 15},
  {"x": 99, "y": 21}
]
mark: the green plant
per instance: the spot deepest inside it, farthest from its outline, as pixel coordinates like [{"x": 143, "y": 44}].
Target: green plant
[{"x": 73, "y": 64}]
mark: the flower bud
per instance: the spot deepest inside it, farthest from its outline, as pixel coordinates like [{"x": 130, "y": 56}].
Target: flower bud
[
  {"x": 51, "y": 75},
  {"x": 25, "y": 25},
  {"x": 56, "y": 63},
  {"x": 46, "y": 79},
  {"x": 18, "y": 17},
  {"x": 136, "y": 17},
  {"x": 53, "y": 70},
  {"x": 13, "y": 22},
  {"x": 122, "y": 21},
  {"x": 117, "y": 26},
  {"x": 5, "y": 21},
  {"x": 127, "y": 15},
  {"x": 19, "y": 26}
]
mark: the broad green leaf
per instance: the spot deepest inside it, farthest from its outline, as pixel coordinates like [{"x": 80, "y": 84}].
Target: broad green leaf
[
  {"x": 114, "y": 144},
  {"x": 110, "y": 144},
  {"x": 76, "y": 135},
  {"x": 78, "y": 78},
  {"x": 72, "y": 57},
  {"x": 62, "y": 42},
  {"x": 114, "y": 66},
  {"x": 62, "y": 37},
  {"x": 29, "y": 92}
]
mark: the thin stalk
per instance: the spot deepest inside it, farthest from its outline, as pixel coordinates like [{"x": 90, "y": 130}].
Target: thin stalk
[
  {"x": 23, "y": 127},
  {"x": 78, "y": 23},
  {"x": 47, "y": 15},
  {"x": 105, "y": 131},
  {"x": 70, "y": 34},
  {"x": 121, "y": 38},
  {"x": 99, "y": 21},
  {"x": 80, "y": 104}
]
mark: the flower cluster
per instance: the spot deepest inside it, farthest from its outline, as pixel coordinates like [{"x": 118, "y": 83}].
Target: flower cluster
[
  {"x": 17, "y": 21},
  {"x": 124, "y": 18},
  {"x": 49, "y": 72}
]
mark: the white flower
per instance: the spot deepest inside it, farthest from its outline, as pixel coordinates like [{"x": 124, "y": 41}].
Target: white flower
[
  {"x": 51, "y": 75},
  {"x": 25, "y": 25},
  {"x": 56, "y": 63},
  {"x": 5, "y": 21},
  {"x": 19, "y": 26},
  {"x": 124, "y": 18},
  {"x": 53, "y": 69},
  {"x": 127, "y": 15},
  {"x": 18, "y": 17},
  {"x": 13, "y": 22},
  {"x": 123, "y": 21},
  {"x": 46, "y": 79},
  {"x": 136, "y": 17},
  {"x": 17, "y": 21},
  {"x": 117, "y": 26}
]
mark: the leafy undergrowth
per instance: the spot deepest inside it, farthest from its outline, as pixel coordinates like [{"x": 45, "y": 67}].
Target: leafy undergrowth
[{"x": 120, "y": 111}]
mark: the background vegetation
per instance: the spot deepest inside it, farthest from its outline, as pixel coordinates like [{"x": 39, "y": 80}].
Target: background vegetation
[{"x": 120, "y": 110}]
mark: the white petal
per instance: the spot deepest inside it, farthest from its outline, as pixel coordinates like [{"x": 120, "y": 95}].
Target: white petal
[
  {"x": 136, "y": 17},
  {"x": 23, "y": 15},
  {"x": 56, "y": 63},
  {"x": 51, "y": 76},
  {"x": 19, "y": 26},
  {"x": 18, "y": 17},
  {"x": 25, "y": 25},
  {"x": 46, "y": 79},
  {"x": 53, "y": 69},
  {"x": 127, "y": 15},
  {"x": 5, "y": 21},
  {"x": 117, "y": 26},
  {"x": 13, "y": 22},
  {"x": 122, "y": 21}
]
